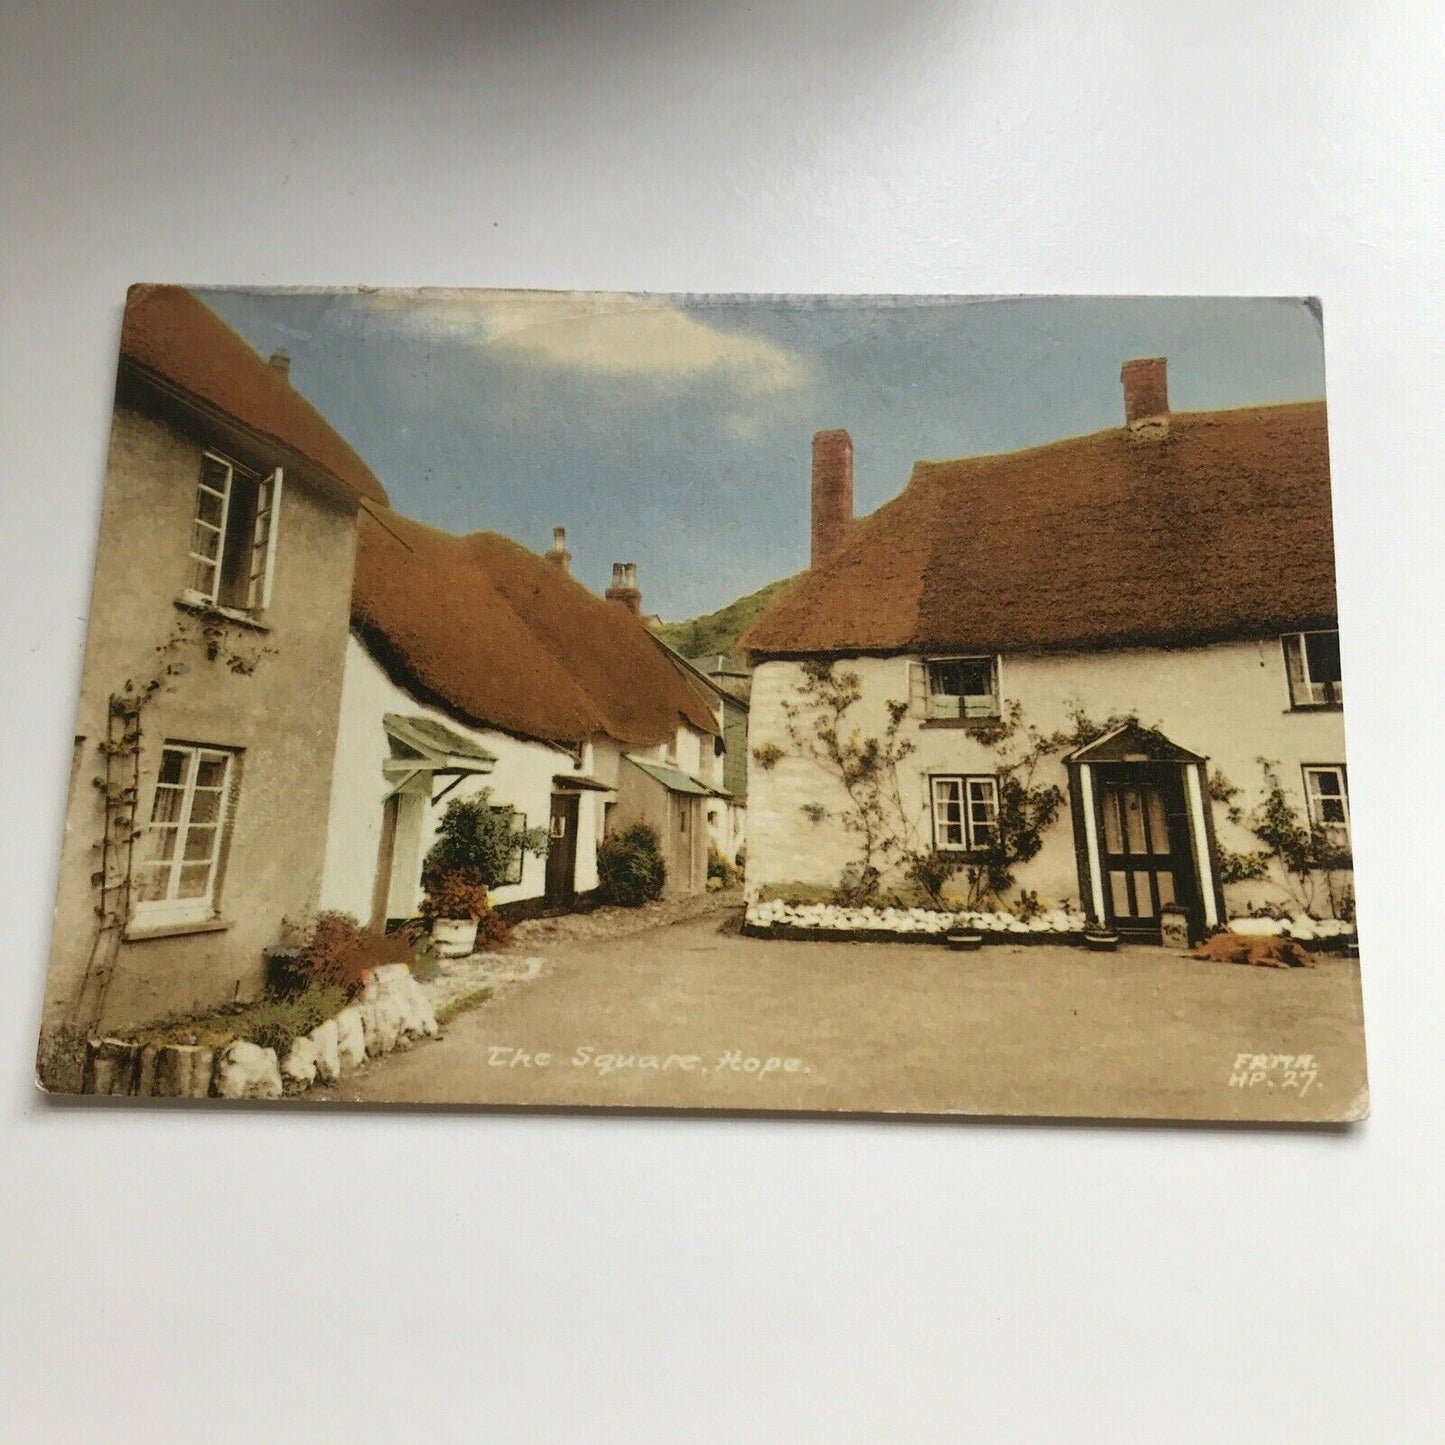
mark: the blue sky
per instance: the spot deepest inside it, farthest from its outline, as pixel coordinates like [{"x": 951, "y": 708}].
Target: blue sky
[{"x": 675, "y": 431}]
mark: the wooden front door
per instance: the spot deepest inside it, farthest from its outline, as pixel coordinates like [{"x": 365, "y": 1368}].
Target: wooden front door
[
  {"x": 1144, "y": 846},
  {"x": 562, "y": 850}
]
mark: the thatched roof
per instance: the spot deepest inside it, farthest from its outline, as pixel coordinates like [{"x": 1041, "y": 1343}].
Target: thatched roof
[
  {"x": 173, "y": 337},
  {"x": 1220, "y": 529},
  {"x": 502, "y": 638}
]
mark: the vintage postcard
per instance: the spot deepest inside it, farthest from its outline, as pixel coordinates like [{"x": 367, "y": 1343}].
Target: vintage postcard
[{"x": 917, "y": 705}]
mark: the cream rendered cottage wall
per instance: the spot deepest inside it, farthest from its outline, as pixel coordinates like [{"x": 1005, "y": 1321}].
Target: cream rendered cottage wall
[
  {"x": 521, "y": 778},
  {"x": 1228, "y": 702}
]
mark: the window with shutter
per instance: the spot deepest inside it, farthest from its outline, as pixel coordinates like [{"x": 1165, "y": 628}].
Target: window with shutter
[
  {"x": 1312, "y": 665},
  {"x": 960, "y": 688},
  {"x": 233, "y": 536}
]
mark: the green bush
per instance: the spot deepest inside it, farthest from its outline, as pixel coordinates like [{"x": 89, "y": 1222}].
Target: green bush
[
  {"x": 476, "y": 835},
  {"x": 630, "y": 870},
  {"x": 721, "y": 868}
]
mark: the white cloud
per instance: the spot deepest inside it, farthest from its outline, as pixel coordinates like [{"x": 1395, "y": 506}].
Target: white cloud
[{"x": 604, "y": 333}]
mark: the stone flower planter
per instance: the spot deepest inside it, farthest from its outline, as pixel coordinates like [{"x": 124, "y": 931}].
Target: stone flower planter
[{"x": 454, "y": 937}]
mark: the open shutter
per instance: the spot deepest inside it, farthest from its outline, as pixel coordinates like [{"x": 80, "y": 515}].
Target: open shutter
[
  {"x": 918, "y": 689},
  {"x": 263, "y": 547},
  {"x": 1300, "y": 694}
]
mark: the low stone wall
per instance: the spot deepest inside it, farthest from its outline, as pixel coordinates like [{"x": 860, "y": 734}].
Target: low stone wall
[
  {"x": 391, "y": 1011},
  {"x": 835, "y": 922}
]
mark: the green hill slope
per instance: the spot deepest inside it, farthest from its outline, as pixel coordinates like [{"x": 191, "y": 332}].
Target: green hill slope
[{"x": 719, "y": 631}]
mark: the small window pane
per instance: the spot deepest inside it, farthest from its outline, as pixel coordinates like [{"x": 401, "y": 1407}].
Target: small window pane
[
  {"x": 1158, "y": 822},
  {"x": 205, "y": 541},
  {"x": 150, "y": 884},
  {"x": 195, "y": 880},
  {"x": 1165, "y": 884},
  {"x": 1134, "y": 820},
  {"x": 200, "y": 844},
  {"x": 162, "y": 842},
  {"x": 168, "y": 804},
  {"x": 1113, "y": 825},
  {"x": 208, "y": 507},
  {"x": 1119, "y": 894},
  {"x": 214, "y": 474},
  {"x": 1143, "y": 895},
  {"x": 206, "y": 806},
  {"x": 210, "y": 771}
]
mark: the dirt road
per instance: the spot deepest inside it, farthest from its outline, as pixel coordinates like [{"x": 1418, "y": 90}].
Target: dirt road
[{"x": 691, "y": 1015}]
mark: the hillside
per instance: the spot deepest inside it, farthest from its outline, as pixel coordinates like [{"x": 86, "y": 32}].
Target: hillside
[{"x": 719, "y": 631}]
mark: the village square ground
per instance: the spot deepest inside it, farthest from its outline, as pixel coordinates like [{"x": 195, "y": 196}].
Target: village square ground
[{"x": 691, "y": 1014}]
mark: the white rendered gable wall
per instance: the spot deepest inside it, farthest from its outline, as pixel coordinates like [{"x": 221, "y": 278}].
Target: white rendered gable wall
[{"x": 521, "y": 778}]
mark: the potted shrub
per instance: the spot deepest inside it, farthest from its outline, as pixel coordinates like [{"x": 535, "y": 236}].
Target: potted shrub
[
  {"x": 456, "y": 901},
  {"x": 964, "y": 937},
  {"x": 478, "y": 847}
]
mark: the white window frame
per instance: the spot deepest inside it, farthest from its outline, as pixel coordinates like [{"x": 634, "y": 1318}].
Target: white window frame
[
  {"x": 171, "y": 909},
  {"x": 261, "y": 568},
  {"x": 953, "y": 707},
  {"x": 1315, "y": 800},
  {"x": 973, "y": 788},
  {"x": 1324, "y": 694}
]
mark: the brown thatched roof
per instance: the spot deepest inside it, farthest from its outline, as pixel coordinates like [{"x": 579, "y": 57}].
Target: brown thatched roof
[
  {"x": 172, "y": 336},
  {"x": 1220, "y": 529},
  {"x": 502, "y": 638}
]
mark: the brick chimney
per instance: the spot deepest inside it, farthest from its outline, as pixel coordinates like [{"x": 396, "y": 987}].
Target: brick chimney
[
  {"x": 832, "y": 492},
  {"x": 280, "y": 361},
  {"x": 1146, "y": 396},
  {"x": 559, "y": 553},
  {"x": 624, "y": 587}
]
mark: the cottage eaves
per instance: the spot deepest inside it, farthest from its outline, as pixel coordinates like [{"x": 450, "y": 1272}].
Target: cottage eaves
[{"x": 1218, "y": 529}]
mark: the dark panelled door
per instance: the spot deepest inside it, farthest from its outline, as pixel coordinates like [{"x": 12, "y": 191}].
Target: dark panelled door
[
  {"x": 562, "y": 849},
  {"x": 1144, "y": 845}
]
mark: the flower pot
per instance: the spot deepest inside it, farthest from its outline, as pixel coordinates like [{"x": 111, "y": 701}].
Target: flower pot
[
  {"x": 967, "y": 942},
  {"x": 454, "y": 937},
  {"x": 1101, "y": 941}
]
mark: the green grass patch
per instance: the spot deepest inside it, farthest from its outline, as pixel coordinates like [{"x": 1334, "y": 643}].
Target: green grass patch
[
  {"x": 462, "y": 1004},
  {"x": 270, "y": 1022},
  {"x": 797, "y": 893}
]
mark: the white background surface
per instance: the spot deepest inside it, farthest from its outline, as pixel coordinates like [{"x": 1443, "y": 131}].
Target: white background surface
[{"x": 230, "y": 1275}]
